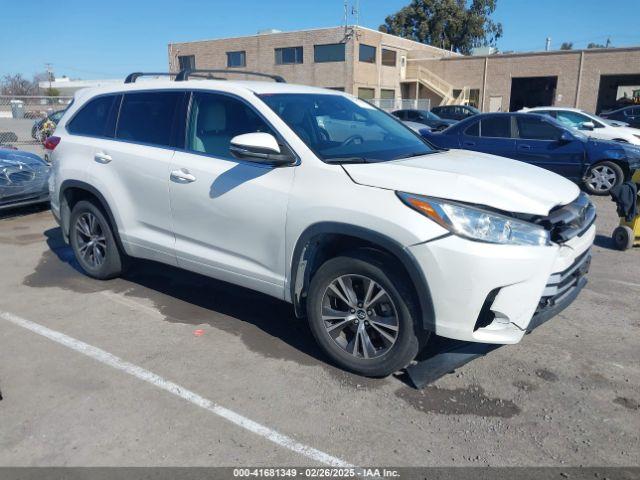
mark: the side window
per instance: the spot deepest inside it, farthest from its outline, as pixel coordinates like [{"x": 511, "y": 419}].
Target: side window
[
  {"x": 412, "y": 115},
  {"x": 215, "y": 119},
  {"x": 496, "y": 127},
  {"x": 531, "y": 128},
  {"x": 96, "y": 118},
  {"x": 148, "y": 117},
  {"x": 473, "y": 130}
]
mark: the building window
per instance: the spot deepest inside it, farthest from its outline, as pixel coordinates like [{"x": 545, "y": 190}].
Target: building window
[
  {"x": 237, "y": 59},
  {"x": 387, "y": 94},
  {"x": 333, "y": 52},
  {"x": 367, "y": 53},
  {"x": 474, "y": 97},
  {"x": 366, "y": 93},
  {"x": 187, "y": 61},
  {"x": 287, "y": 56},
  {"x": 388, "y": 57}
]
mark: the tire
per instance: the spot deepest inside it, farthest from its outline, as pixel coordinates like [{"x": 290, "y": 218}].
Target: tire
[
  {"x": 389, "y": 324},
  {"x": 623, "y": 237},
  {"x": 93, "y": 242},
  {"x": 602, "y": 177}
]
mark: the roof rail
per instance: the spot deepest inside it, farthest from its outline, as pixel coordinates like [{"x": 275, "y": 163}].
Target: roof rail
[
  {"x": 132, "y": 77},
  {"x": 187, "y": 72}
]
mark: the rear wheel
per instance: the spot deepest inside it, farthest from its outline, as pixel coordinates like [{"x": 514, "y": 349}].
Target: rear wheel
[
  {"x": 602, "y": 177},
  {"x": 362, "y": 314},
  {"x": 93, "y": 242}
]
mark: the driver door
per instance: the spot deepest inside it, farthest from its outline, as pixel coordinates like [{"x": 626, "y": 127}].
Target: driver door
[
  {"x": 228, "y": 215},
  {"x": 539, "y": 143}
]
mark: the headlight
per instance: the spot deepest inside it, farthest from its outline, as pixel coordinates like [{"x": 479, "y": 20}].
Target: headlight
[{"x": 477, "y": 224}]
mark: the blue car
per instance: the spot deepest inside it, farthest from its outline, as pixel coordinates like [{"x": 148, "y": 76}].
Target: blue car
[{"x": 540, "y": 140}]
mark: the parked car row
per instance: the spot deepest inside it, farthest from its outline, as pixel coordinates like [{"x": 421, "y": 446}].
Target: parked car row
[{"x": 545, "y": 142}]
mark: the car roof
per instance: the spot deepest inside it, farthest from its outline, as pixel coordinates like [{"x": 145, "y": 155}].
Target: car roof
[
  {"x": 566, "y": 109},
  {"x": 232, "y": 86}
]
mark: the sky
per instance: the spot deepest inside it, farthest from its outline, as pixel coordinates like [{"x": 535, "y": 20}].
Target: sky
[{"x": 92, "y": 39}]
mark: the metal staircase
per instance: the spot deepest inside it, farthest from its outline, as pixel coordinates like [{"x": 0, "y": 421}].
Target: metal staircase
[{"x": 420, "y": 75}]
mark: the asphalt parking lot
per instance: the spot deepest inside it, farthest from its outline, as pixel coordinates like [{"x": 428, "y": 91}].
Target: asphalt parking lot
[{"x": 567, "y": 395}]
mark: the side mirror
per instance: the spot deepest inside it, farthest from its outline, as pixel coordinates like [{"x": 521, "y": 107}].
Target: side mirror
[
  {"x": 587, "y": 125},
  {"x": 566, "y": 137},
  {"x": 259, "y": 147}
]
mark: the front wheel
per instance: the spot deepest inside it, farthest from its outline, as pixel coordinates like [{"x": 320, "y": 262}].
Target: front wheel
[
  {"x": 362, "y": 314},
  {"x": 602, "y": 177}
]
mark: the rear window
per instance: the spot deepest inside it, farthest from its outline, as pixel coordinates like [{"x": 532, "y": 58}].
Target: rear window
[
  {"x": 97, "y": 118},
  {"x": 148, "y": 117}
]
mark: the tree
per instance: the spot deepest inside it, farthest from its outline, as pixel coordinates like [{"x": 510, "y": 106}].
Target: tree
[
  {"x": 566, "y": 46},
  {"x": 17, "y": 85},
  {"x": 52, "y": 92},
  {"x": 457, "y": 25},
  {"x": 596, "y": 45}
]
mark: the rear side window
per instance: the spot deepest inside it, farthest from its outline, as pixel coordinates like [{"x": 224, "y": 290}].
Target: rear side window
[
  {"x": 97, "y": 118},
  {"x": 496, "y": 127},
  {"x": 149, "y": 117}
]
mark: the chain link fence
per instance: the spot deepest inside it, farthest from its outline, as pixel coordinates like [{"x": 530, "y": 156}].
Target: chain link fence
[{"x": 22, "y": 120}]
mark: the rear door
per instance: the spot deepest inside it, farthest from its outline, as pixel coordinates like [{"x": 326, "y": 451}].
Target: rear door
[
  {"x": 490, "y": 134},
  {"x": 133, "y": 170},
  {"x": 539, "y": 143}
]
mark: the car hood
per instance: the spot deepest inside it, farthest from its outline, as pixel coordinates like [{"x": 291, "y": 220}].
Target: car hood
[{"x": 471, "y": 177}]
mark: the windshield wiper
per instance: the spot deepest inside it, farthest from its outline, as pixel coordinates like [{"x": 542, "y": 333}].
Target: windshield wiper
[{"x": 339, "y": 160}]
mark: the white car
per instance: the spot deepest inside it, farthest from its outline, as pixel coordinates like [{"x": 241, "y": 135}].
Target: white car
[
  {"x": 378, "y": 240},
  {"x": 591, "y": 125}
]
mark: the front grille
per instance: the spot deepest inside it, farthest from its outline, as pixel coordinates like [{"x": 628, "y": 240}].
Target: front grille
[
  {"x": 561, "y": 284},
  {"x": 570, "y": 220}
]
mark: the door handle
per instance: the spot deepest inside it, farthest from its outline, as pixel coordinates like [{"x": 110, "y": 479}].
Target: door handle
[
  {"x": 182, "y": 176},
  {"x": 469, "y": 144},
  {"x": 102, "y": 157},
  {"x": 524, "y": 147}
]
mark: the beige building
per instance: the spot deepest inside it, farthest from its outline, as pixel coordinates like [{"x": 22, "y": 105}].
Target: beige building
[
  {"x": 357, "y": 60},
  {"x": 375, "y": 65}
]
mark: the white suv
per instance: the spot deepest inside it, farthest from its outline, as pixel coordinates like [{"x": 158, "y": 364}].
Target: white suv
[{"x": 376, "y": 237}]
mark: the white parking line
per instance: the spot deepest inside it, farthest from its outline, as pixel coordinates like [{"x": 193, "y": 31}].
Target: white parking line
[{"x": 192, "y": 397}]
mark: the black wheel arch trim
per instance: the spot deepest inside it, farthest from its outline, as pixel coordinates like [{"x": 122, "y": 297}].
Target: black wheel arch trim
[
  {"x": 65, "y": 211},
  {"x": 303, "y": 255}
]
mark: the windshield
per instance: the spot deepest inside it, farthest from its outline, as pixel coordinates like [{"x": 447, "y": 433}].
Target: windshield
[{"x": 338, "y": 128}]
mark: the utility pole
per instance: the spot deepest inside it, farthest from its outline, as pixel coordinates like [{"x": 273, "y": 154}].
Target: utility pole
[
  {"x": 49, "y": 67},
  {"x": 608, "y": 44},
  {"x": 355, "y": 10},
  {"x": 548, "y": 44}
]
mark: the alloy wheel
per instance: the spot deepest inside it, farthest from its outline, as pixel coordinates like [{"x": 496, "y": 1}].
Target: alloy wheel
[
  {"x": 360, "y": 317},
  {"x": 602, "y": 178},
  {"x": 90, "y": 240}
]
